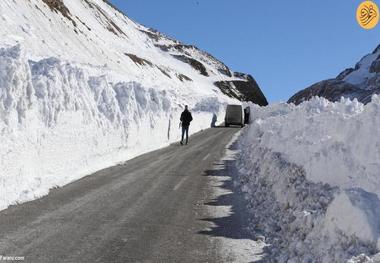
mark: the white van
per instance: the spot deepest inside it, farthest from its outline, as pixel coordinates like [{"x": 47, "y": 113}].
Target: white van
[{"x": 234, "y": 115}]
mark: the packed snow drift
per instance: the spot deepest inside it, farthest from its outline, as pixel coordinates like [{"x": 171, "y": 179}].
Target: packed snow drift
[
  {"x": 83, "y": 87},
  {"x": 311, "y": 175}
]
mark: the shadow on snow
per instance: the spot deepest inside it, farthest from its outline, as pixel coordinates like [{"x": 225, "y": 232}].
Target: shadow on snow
[{"x": 234, "y": 222}]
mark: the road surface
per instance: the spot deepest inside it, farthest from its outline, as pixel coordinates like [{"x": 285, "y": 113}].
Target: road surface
[{"x": 159, "y": 207}]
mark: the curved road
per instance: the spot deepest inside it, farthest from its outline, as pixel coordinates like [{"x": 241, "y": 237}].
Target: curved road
[{"x": 151, "y": 209}]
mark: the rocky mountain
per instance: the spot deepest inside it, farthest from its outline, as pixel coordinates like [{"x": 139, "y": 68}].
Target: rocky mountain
[
  {"x": 360, "y": 82},
  {"x": 240, "y": 86}
]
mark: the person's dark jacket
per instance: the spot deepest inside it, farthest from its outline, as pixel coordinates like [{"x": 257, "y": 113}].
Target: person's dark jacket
[{"x": 186, "y": 118}]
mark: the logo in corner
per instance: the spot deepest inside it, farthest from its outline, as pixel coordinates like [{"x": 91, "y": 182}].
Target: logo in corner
[{"x": 367, "y": 14}]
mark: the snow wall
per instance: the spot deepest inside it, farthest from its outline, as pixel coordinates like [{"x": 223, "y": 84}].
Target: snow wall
[
  {"x": 61, "y": 121},
  {"x": 311, "y": 176}
]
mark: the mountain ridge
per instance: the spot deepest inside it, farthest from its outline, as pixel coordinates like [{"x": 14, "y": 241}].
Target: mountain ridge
[{"x": 359, "y": 82}]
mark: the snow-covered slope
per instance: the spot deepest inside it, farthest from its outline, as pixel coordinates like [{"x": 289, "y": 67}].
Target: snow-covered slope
[
  {"x": 311, "y": 175},
  {"x": 360, "y": 82},
  {"x": 83, "y": 87},
  {"x": 91, "y": 32}
]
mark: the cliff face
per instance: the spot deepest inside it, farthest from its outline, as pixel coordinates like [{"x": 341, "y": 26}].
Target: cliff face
[
  {"x": 360, "y": 82},
  {"x": 245, "y": 89}
]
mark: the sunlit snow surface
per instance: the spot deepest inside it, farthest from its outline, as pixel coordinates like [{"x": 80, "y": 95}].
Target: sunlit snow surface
[{"x": 311, "y": 175}]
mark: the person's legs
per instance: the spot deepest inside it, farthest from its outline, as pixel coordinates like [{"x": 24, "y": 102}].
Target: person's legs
[
  {"x": 183, "y": 133},
  {"x": 187, "y": 134}
]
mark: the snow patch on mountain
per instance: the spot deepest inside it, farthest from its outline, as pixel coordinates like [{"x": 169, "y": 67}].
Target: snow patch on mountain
[{"x": 362, "y": 72}]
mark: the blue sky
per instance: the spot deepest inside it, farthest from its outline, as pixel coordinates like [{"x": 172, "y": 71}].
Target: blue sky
[{"x": 285, "y": 45}]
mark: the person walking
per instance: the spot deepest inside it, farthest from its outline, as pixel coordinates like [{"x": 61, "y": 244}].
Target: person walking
[{"x": 186, "y": 118}]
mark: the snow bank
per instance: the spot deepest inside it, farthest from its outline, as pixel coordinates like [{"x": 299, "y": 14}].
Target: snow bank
[
  {"x": 310, "y": 173},
  {"x": 60, "y": 121}
]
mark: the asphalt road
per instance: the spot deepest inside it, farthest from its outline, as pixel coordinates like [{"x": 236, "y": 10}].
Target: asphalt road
[{"x": 150, "y": 209}]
